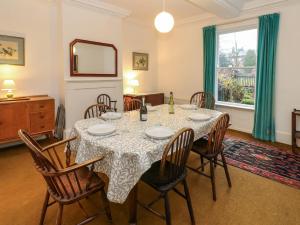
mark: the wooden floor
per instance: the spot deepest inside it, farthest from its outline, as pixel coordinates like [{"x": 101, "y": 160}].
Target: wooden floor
[{"x": 253, "y": 200}]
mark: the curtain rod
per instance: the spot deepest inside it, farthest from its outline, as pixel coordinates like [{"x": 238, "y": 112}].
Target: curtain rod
[{"x": 240, "y": 20}]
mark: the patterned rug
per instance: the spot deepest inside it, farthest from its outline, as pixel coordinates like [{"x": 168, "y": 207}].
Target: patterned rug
[{"x": 264, "y": 160}]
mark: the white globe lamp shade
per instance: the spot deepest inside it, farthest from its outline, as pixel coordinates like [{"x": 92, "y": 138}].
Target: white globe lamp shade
[{"x": 164, "y": 22}]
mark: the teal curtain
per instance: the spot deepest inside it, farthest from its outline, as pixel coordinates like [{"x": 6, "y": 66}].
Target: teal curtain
[
  {"x": 209, "y": 58},
  {"x": 264, "y": 119}
]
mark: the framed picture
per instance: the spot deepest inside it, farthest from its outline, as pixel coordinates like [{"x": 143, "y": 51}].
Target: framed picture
[
  {"x": 140, "y": 61},
  {"x": 12, "y": 50}
]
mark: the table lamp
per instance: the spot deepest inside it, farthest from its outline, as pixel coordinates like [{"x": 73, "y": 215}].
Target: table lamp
[
  {"x": 9, "y": 86},
  {"x": 134, "y": 84}
]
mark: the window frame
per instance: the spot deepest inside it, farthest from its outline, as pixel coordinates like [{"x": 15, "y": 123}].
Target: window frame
[{"x": 220, "y": 31}]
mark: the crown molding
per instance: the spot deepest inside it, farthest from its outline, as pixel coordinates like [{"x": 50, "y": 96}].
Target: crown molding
[
  {"x": 104, "y": 7},
  {"x": 256, "y": 4}
]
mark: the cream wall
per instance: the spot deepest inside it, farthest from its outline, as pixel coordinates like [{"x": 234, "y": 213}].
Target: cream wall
[
  {"x": 181, "y": 69},
  {"x": 140, "y": 38},
  {"x": 35, "y": 21}
]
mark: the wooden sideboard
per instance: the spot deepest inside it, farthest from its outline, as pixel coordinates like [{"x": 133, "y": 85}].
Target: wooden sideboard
[
  {"x": 152, "y": 98},
  {"x": 34, "y": 114}
]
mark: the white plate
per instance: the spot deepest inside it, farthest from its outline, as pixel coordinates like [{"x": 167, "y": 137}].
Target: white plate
[
  {"x": 199, "y": 117},
  {"x": 101, "y": 129},
  {"x": 112, "y": 115},
  {"x": 159, "y": 132},
  {"x": 188, "y": 106},
  {"x": 151, "y": 108}
]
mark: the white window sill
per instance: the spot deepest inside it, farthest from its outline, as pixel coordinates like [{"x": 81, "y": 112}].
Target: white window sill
[{"x": 236, "y": 105}]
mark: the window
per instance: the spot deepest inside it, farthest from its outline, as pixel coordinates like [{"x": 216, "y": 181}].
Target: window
[{"x": 236, "y": 67}]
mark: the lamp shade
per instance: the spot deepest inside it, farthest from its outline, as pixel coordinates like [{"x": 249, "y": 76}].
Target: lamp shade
[
  {"x": 164, "y": 22},
  {"x": 134, "y": 83},
  {"x": 8, "y": 85}
]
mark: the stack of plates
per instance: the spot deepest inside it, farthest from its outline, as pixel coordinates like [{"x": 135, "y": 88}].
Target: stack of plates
[
  {"x": 159, "y": 132},
  {"x": 101, "y": 129},
  {"x": 188, "y": 107},
  {"x": 199, "y": 117},
  {"x": 111, "y": 116}
]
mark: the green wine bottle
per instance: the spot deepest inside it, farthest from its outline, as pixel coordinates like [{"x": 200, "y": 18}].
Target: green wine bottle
[
  {"x": 171, "y": 103},
  {"x": 143, "y": 110}
]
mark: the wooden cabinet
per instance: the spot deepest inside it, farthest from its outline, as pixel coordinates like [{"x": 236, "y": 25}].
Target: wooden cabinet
[
  {"x": 35, "y": 115},
  {"x": 152, "y": 98}
]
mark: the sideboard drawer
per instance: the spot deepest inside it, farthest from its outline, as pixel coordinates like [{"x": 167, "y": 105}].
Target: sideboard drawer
[
  {"x": 41, "y": 121},
  {"x": 38, "y": 106},
  {"x": 34, "y": 114}
]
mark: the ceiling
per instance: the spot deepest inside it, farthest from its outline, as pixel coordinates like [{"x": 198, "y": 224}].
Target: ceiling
[{"x": 144, "y": 11}]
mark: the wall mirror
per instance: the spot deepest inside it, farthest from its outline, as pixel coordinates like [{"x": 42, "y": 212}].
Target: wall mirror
[{"x": 90, "y": 58}]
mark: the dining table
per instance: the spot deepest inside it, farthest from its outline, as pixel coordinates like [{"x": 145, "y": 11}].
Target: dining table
[{"x": 129, "y": 152}]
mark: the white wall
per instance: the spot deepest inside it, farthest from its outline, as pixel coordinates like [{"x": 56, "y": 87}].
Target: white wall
[
  {"x": 139, "y": 38},
  {"x": 82, "y": 22},
  {"x": 181, "y": 68},
  {"x": 35, "y": 21}
]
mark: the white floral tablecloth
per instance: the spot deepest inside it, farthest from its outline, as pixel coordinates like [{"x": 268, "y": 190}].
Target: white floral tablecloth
[{"x": 130, "y": 153}]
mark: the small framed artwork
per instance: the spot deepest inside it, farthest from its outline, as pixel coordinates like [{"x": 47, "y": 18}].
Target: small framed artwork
[
  {"x": 140, "y": 61},
  {"x": 12, "y": 50}
]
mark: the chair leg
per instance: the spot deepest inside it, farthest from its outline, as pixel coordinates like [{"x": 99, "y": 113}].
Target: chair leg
[
  {"x": 202, "y": 163},
  {"x": 44, "y": 210},
  {"x": 226, "y": 169},
  {"x": 215, "y": 161},
  {"x": 212, "y": 178},
  {"x": 59, "y": 214},
  {"x": 189, "y": 202},
  {"x": 167, "y": 208},
  {"x": 106, "y": 205}
]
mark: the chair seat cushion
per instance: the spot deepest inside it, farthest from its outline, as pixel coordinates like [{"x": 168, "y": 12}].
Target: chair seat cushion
[
  {"x": 152, "y": 177},
  {"x": 200, "y": 146}
]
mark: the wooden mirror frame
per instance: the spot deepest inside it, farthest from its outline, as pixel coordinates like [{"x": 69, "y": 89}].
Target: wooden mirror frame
[{"x": 76, "y": 74}]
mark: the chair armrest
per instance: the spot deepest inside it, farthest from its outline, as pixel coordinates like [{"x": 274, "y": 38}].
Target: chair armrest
[
  {"x": 75, "y": 167},
  {"x": 58, "y": 143},
  {"x": 114, "y": 101}
]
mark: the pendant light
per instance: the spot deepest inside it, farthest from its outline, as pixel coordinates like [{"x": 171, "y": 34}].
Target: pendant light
[{"x": 164, "y": 21}]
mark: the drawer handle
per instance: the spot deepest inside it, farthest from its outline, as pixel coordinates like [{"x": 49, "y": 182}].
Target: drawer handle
[
  {"x": 42, "y": 126},
  {"x": 42, "y": 117},
  {"x": 42, "y": 106}
]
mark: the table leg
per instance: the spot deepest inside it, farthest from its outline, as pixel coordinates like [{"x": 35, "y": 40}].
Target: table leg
[{"x": 133, "y": 205}]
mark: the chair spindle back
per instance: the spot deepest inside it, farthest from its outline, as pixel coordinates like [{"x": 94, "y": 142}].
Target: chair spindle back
[
  {"x": 95, "y": 111},
  {"x": 203, "y": 100},
  {"x": 104, "y": 99},
  {"x": 176, "y": 153},
  {"x": 132, "y": 104},
  {"x": 217, "y": 133},
  {"x": 61, "y": 185}
]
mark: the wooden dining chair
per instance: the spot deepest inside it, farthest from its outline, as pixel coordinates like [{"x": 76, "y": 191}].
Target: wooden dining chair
[
  {"x": 66, "y": 183},
  {"x": 210, "y": 149},
  {"x": 203, "y": 100},
  {"x": 165, "y": 174},
  {"x": 106, "y": 100},
  {"x": 132, "y": 104},
  {"x": 95, "y": 111}
]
